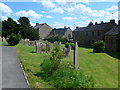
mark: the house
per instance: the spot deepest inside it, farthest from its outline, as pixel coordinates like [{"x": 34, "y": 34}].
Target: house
[
  {"x": 64, "y": 32},
  {"x": 112, "y": 39},
  {"x": 92, "y": 33},
  {"x": 44, "y": 30}
]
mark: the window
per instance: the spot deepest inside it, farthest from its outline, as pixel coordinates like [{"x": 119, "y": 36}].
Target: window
[
  {"x": 93, "y": 34},
  {"x": 106, "y": 39},
  {"x": 111, "y": 40},
  {"x": 98, "y": 33}
]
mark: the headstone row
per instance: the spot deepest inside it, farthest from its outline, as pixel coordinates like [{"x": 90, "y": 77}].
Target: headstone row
[
  {"x": 43, "y": 47},
  {"x": 2, "y": 39},
  {"x": 57, "y": 43}
]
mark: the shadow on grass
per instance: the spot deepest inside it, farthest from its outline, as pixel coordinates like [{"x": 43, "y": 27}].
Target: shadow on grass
[
  {"x": 33, "y": 52},
  {"x": 89, "y": 47},
  {"x": 113, "y": 54}
]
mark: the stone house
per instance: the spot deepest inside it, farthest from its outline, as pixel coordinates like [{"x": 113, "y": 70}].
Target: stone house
[
  {"x": 65, "y": 32},
  {"x": 44, "y": 30},
  {"x": 92, "y": 33},
  {"x": 112, "y": 39}
]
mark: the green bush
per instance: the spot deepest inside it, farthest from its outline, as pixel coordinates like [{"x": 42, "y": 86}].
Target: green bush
[
  {"x": 52, "y": 63},
  {"x": 13, "y": 39},
  {"x": 70, "y": 78},
  {"x": 98, "y": 46},
  {"x": 57, "y": 38},
  {"x": 71, "y": 44}
]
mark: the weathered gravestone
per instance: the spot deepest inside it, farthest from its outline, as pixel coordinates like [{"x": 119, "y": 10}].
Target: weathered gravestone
[
  {"x": 38, "y": 47},
  {"x": 48, "y": 46},
  {"x": 65, "y": 51},
  {"x": 26, "y": 42},
  {"x": 3, "y": 39},
  {"x": 76, "y": 56},
  {"x": 59, "y": 43},
  {"x": 0, "y": 39},
  {"x": 68, "y": 51}
]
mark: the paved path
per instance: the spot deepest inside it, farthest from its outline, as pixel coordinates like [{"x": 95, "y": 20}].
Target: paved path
[{"x": 12, "y": 74}]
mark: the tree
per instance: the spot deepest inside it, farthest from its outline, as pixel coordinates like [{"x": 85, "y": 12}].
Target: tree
[
  {"x": 9, "y": 26},
  {"x": 26, "y": 30}
]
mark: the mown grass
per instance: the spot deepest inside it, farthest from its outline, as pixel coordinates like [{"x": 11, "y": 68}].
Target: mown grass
[{"x": 102, "y": 67}]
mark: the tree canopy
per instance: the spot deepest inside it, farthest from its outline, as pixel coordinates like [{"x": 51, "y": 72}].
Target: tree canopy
[{"x": 23, "y": 28}]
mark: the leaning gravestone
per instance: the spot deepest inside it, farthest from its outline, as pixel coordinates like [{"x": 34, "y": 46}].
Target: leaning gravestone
[{"x": 76, "y": 56}]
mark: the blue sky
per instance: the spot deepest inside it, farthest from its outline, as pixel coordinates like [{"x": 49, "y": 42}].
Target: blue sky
[{"x": 59, "y": 14}]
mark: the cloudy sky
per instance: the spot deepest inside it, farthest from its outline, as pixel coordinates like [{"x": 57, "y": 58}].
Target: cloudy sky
[{"x": 59, "y": 13}]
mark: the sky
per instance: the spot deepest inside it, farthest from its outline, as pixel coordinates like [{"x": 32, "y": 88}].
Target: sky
[{"x": 59, "y": 13}]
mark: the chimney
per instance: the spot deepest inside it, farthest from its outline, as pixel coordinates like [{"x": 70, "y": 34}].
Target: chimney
[
  {"x": 65, "y": 27},
  {"x": 118, "y": 22},
  {"x": 95, "y": 23},
  {"x": 77, "y": 27},
  {"x": 37, "y": 24},
  {"x": 112, "y": 21},
  {"x": 90, "y": 24},
  {"x": 102, "y": 22}
]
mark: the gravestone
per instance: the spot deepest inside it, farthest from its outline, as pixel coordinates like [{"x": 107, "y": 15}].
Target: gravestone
[
  {"x": 0, "y": 39},
  {"x": 48, "y": 45},
  {"x": 38, "y": 47},
  {"x": 26, "y": 42},
  {"x": 68, "y": 52},
  {"x": 3, "y": 39},
  {"x": 59, "y": 43},
  {"x": 76, "y": 56}
]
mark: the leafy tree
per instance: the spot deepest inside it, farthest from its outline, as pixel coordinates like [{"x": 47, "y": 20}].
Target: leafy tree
[
  {"x": 9, "y": 26},
  {"x": 57, "y": 38},
  {"x": 26, "y": 30},
  {"x": 13, "y": 39},
  {"x": 98, "y": 46}
]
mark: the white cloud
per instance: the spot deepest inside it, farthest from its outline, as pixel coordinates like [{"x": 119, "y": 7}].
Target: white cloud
[
  {"x": 5, "y": 10},
  {"x": 30, "y": 14},
  {"x": 84, "y": 17},
  {"x": 58, "y": 25},
  {"x": 81, "y": 8},
  {"x": 114, "y": 16},
  {"x": 48, "y": 3},
  {"x": 112, "y": 8},
  {"x": 43, "y": 11},
  {"x": 32, "y": 24},
  {"x": 3, "y": 18},
  {"x": 57, "y": 10},
  {"x": 49, "y": 17},
  {"x": 69, "y": 18}
]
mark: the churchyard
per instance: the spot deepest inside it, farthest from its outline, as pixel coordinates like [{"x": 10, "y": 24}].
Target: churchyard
[{"x": 102, "y": 67}]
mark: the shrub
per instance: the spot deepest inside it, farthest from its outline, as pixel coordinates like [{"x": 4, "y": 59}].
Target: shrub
[
  {"x": 98, "y": 46},
  {"x": 70, "y": 78},
  {"x": 13, "y": 39},
  {"x": 52, "y": 63},
  {"x": 71, "y": 44},
  {"x": 57, "y": 38}
]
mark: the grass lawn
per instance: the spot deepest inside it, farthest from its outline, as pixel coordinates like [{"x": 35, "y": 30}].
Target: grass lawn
[{"x": 102, "y": 67}]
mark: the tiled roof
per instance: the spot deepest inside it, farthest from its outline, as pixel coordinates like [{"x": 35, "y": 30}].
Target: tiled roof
[
  {"x": 114, "y": 31},
  {"x": 60, "y": 31},
  {"x": 39, "y": 25},
  {"x": 80, "y": 29}
]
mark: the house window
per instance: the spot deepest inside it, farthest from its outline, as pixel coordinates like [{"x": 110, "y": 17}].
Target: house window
[
  {"x": 106, "y": 39},
  {"x": 86, "y": 33},
  {"x": 111, "y": 40},
  {"x": 93, "y": 34},
  {"x": 98, "y": 33}
]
